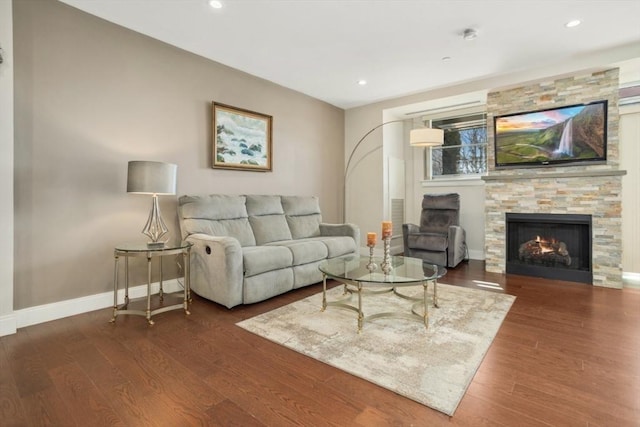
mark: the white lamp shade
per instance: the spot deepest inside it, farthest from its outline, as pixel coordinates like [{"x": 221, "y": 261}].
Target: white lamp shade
[
  {"x": 426, "y": 137},
  {"x": 146, "y": 177}
]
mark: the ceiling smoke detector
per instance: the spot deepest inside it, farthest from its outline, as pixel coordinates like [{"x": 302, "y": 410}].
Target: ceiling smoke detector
[{"x": 469, "y": 34}]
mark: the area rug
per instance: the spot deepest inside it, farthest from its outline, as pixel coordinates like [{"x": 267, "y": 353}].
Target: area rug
[{"x": 433, "y": 366}]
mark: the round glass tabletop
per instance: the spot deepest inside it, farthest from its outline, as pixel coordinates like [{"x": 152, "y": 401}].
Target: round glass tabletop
[
  {"x": 143, "y": 247},
  {"x": 405, "y": 270}
]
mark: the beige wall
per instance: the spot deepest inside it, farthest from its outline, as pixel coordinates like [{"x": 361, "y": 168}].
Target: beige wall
[{"x": 89, "y": 97}]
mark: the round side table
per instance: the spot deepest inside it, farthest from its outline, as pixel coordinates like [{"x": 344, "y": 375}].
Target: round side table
[{"x": 129, "y": 250}]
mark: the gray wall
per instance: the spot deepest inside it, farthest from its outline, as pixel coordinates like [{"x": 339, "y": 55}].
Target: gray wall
[{"x": 89, "y": 97}]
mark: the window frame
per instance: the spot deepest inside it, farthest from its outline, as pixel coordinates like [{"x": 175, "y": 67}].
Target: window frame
[{"x": 452, "y": 115}]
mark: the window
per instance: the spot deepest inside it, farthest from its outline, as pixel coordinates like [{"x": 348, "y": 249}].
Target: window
[{"x": 464, "y": 152}]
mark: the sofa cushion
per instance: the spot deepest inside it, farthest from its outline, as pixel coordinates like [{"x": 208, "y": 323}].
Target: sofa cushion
[
  {"x": 267, "y": 220},
  {"x": 303, "y": 215},
  {"x": 439, "y": 211},
  {"x": 304, "y": 251},
  {"x": 216, "y": 215},
  {"x": 269, "y": 228},
  {"x": 260, "y": 259},
  {"x": 304, "y": 226},
  {"x": 259, "y": 288},
  {"x": 307, "y": 274},
  {"x": 300, "y": 205},
  {"x": 437, "y": 220},
  {"x": 264, "y": 205},
  {"x": 428, "y": 241},
  {"x": 449, "y": 201},
  {"x": 215, "y": 206}
]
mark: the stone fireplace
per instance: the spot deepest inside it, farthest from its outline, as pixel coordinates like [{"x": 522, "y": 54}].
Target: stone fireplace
[{"x": 572, "y": 190}]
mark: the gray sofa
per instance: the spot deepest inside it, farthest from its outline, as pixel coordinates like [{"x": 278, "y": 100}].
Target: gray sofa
[{"x": 250, "y": 248}]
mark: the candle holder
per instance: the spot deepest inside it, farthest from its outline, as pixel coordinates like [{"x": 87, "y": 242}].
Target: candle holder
[
  {"x": 371, "y": 266},
  {"x": 386, "y": 259}
]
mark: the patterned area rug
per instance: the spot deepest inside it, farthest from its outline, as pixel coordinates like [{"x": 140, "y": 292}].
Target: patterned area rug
[{"x": 432, "y": 366}]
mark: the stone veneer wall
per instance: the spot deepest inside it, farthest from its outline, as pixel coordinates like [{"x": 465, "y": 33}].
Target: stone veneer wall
[{"x": 594, "y": 190}]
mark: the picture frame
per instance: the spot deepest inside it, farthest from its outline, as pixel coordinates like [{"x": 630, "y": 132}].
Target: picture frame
[{"x": 242, "y": 139}]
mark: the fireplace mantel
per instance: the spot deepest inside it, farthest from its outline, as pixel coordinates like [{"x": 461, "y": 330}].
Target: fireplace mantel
[
  {"x": 590, "y": 192},
  {"x": 542, "y": 175}
]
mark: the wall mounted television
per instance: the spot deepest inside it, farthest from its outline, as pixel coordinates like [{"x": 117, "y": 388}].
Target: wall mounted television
[{"x": 561, "y": 136}]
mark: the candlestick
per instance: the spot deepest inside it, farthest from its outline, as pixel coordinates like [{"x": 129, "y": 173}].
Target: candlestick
[
  {"x": 386, "y": 229},
  {"x": 371, "y": 239},
  {"x": 386, "y": 258},
  {"x": 371, "y": 266}
]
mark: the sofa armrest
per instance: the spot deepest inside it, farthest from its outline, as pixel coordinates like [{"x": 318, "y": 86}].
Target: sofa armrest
[
  {"x": 456, "y": 251},
  {"x": 350, "y": 230},
  {"x": 406, "y": 230},
  {"x": 217, "y": 268},
  {"x": 410, "y": 229}
]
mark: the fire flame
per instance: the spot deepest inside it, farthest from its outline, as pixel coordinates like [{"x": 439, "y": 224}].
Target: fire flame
[{"x": 545, "y": 245}]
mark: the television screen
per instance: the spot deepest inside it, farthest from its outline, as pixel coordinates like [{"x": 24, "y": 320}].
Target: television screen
[{"x": 556, "y": 136}]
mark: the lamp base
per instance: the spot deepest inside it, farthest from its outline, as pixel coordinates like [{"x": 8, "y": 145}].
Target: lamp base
[
  {"x": 155, "y": 227},
  {"x": 155, "y": 245}
]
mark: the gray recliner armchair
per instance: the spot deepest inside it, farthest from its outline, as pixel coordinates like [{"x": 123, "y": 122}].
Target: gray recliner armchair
[{"x": 439, "y": 239}]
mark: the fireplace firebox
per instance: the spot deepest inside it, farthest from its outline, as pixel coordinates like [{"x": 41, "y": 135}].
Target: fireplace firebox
[{"x": 553, "y": 246}]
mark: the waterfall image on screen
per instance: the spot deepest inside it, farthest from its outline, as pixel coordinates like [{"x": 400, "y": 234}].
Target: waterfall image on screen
[
  {"x": 555, "y": 136},
  {"x": 566, "y": 140}
]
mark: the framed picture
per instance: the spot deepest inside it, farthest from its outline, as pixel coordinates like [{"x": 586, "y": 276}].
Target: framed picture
[{"x": 241, "y": 139}]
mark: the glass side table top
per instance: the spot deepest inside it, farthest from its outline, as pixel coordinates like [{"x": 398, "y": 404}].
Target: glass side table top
[
  {"x": 142, "y": 247},
  {"x": 405, "y": 270}
]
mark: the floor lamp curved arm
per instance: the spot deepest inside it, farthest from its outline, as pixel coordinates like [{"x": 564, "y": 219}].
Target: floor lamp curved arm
[
  {"x": 419, "y": 138},
  {"x": 346, "y": 169}
]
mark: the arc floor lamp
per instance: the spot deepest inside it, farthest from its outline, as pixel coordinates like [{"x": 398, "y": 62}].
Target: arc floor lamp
[{"x": 420, "y": 137}]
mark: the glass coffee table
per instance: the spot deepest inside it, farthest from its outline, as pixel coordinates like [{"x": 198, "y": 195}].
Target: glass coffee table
[{"x": 352, "y": 272}]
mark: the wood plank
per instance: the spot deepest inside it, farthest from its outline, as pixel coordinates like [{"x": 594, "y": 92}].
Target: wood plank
[
  {"x": 47, "y": 408},
  {"x": 75, "y": 387},
  {"x": 228, "y": 414},
  {"x": 11, "y": 410}
]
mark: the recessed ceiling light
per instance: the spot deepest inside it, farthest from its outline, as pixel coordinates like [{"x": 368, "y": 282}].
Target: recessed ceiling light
[
  {"x": 469, "y": 34},
  {"x": 362, "y": 82},
  {"x": 573, "y": 23},
  {"x": 216, "y": 4}
]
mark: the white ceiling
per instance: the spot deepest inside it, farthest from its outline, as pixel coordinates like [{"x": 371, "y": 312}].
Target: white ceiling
[{"x": 323, "y": 47}]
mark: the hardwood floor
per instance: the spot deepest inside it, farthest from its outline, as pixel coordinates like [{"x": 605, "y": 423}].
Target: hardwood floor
[{"x": 566, "y": 355}]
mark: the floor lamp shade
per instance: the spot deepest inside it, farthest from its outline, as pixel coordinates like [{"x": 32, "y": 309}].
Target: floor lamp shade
[
  {"x": 426, "y": 137},
  {"x": 156, "y": 178}
]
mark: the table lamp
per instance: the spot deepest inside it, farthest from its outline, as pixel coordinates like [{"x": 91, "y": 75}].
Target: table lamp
[{"x": 155, "y": 178}]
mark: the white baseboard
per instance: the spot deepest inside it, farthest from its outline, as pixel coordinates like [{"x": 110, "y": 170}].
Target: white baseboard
[
  {"x": 58, "y": 310},
  {"x": 8, "y": 324},
  {"x": 632, "y": 280},
  {"x": 476, "y": 254}
]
